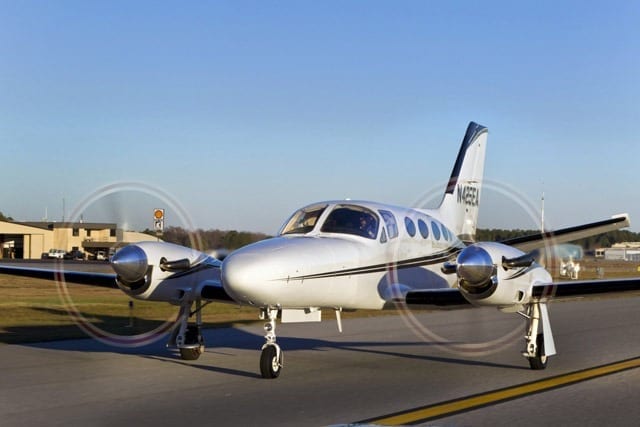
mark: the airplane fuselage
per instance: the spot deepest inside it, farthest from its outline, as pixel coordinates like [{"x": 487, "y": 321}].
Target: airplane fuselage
[{"x": 337, "y": 262}]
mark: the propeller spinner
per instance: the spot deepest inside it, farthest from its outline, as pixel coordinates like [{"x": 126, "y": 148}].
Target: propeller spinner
[
  {"x": 130, "y": 264},
  {"x": 475, "y": 266}
]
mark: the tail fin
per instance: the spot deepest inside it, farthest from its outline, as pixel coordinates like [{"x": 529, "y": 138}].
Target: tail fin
[{"x": 459, "y": 207}]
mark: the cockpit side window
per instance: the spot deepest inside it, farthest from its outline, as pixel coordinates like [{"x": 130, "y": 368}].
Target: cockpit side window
[
  {"x": 351, "y": 220},
  {"x": 304, "y": 220},
  {"x": 390, "y": 221}
]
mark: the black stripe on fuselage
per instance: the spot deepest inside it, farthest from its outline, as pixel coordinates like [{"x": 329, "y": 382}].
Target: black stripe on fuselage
[{"x": 436, "y": 258}]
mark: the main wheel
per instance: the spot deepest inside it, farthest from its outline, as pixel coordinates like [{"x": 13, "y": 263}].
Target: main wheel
[
  {"x": 270, "y": 363},
  {"x": 191, "y": 353},
  {"x": 194, "y": 344},
  {"x": 540, "y": 359}
]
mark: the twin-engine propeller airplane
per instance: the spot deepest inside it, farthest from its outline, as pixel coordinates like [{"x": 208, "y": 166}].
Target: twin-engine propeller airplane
[{"x": 344, "y": 255}]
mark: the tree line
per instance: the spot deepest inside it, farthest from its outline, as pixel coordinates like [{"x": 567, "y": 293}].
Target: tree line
[
  {"x": 206, "y": 240},
  {"x": 232, "y": 239}
]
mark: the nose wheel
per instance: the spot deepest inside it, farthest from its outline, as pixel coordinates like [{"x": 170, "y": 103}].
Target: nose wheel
[{"x": 271, "y": 359}]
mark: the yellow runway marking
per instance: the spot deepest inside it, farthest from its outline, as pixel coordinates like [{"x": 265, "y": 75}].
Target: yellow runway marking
[{"x": 443, "y": 409}]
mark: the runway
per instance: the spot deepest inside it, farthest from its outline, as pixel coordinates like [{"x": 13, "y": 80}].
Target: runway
[{"x": 376, "y": 368}]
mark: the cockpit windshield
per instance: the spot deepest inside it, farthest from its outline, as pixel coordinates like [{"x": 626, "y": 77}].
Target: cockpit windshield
[
  {"x": 350, "y": 219},
  {"x": 304, "y": 220}
]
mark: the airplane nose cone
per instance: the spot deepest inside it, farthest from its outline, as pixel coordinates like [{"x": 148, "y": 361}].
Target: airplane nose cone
[
  {"x": 130, "y": 263},
  {"x": 474, "y": 265},
  {"x": 239, "y": 277}
]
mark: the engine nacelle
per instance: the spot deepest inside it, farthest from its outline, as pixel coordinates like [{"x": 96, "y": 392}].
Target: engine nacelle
[
  {"x": 497, "y": 275},
  {"x": 160, "y": 271}
]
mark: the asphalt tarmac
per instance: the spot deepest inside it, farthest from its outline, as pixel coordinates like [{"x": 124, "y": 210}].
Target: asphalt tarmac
[{"x": 376, "y": 368}]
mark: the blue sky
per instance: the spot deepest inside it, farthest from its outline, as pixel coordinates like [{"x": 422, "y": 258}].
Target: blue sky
[{"x": 240, "y": 112}]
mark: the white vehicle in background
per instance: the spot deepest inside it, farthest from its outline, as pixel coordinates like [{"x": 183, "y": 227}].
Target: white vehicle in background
[{"x": 56, "y": 253}]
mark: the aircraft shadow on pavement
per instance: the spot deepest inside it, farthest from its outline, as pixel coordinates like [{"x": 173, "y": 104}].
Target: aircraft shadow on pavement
[{"x": 218, "y": 340}]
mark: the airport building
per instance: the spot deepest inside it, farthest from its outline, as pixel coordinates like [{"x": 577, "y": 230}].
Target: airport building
[
  {"x": 625, "y": 251},
  {"x": 30, "y": 240}
]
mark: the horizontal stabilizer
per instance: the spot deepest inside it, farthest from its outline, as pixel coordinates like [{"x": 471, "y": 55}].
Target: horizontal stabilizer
[{"x": 550, "y": 238}]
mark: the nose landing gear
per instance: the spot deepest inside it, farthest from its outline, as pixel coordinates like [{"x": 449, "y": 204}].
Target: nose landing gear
[{"x": 271, "y": 359}]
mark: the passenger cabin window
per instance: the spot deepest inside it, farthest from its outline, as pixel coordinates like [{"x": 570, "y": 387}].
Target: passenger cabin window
[
  {"x": 436, "y": 230},
  {"x": 410, "y": 225},
  {"x": 304, "y": 220},
  {"x": 355, "y": 220},
  {"x": 424, "y": 230},
  {"x": 390, "y": 222},
  {"x": 445, "y": 233}
]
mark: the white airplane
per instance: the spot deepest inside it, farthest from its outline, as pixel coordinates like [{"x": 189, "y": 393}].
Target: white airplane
[{"x": 344, "y": 255}]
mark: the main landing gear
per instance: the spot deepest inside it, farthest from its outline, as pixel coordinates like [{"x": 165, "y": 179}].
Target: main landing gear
[
  {"x": 188, "y": 337},
  {"x": 271, "y": 359},
  {"x": 537, "y": 328}
]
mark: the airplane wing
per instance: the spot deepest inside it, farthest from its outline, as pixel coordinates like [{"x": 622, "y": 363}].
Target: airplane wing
[
  {"x": 449, "y": 297},
  {"x": 585, "y": 287},
  {"x": 211, "y": 291},
  {"x": 80, "y": 277},
  {"x": 536, "y": 241}
]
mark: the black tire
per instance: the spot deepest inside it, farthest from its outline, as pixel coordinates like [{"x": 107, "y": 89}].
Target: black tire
[
  {"x": 540, "y": 360},
  {"x": 270, "y": 365},
  {"x": 194, "y": 341},
  {"x": 191, "y": 353}
]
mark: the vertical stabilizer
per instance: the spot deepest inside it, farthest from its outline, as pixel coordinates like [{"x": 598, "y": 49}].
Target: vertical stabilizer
[{"x": 459, "y": 207}]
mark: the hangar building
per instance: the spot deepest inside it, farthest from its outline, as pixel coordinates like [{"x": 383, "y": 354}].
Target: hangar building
[{"x": 29, "y": 240}]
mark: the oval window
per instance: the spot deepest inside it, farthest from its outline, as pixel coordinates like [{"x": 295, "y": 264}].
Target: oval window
[
  {"x": 436, "y": 230},
  {"x": 424, "y": 230},
  {"x": 411, "y": 227},
  {"x": 445, "y": 232}
]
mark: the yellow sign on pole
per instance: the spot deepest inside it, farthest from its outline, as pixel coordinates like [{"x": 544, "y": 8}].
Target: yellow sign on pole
[{"x": 158, "y": 220}]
